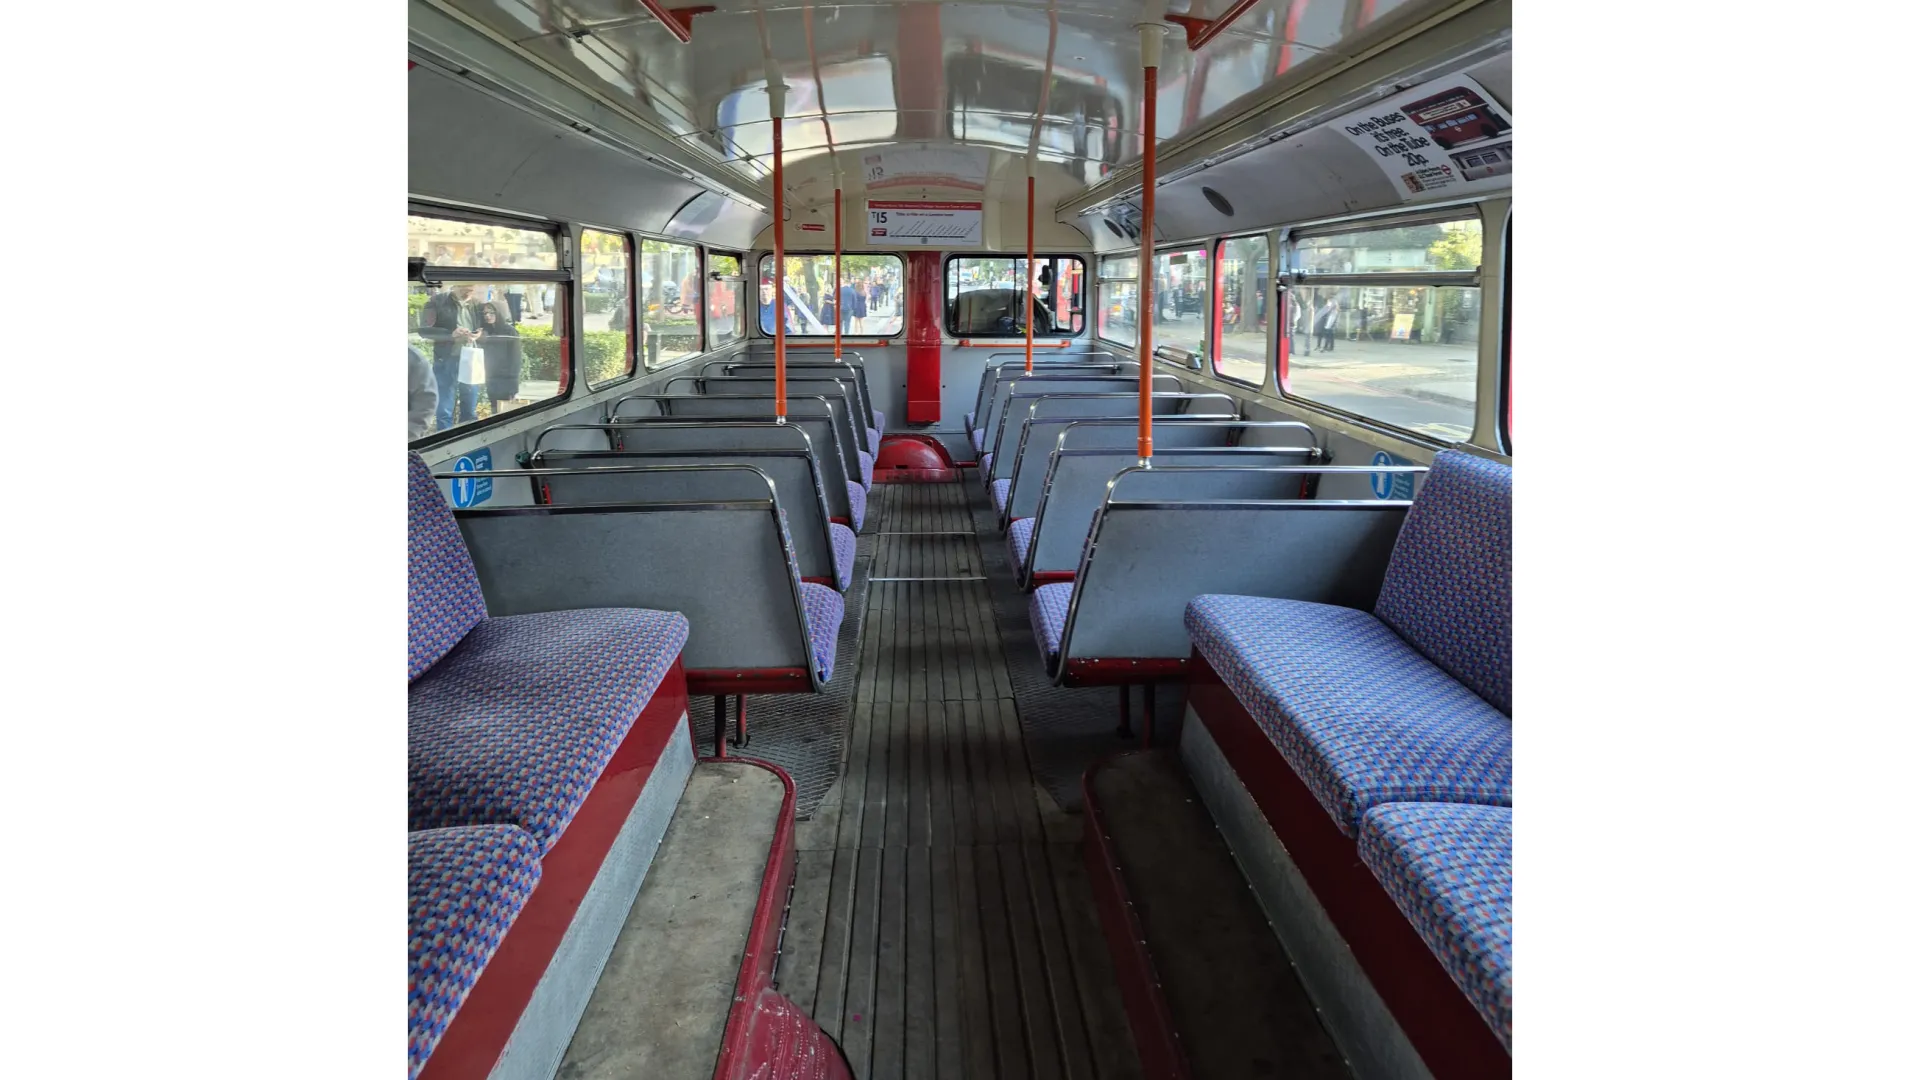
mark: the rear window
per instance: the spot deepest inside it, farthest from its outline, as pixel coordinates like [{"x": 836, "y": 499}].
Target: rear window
[{"x": 871, "y": 288}]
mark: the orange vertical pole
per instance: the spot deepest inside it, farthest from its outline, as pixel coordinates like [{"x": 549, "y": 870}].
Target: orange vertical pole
[
  {"x": 836, "y": 267},
  {"x": 1150, "y": 37},
  {"x": 1029, "y": 266},
  {"x": 776, "y": 99}
]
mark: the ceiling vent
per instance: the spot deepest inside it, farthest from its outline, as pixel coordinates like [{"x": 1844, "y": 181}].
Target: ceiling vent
[{"x": 1218, "y": 200}]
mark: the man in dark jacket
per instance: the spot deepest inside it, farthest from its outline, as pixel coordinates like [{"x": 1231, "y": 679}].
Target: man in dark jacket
[{"x": 451, "y": 320}]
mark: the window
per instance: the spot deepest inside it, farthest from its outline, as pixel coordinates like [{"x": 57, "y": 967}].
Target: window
[
  {"x": 1405, "y": 352},
  {"x": 987, "y": 297},
  {"x": 1245, "y": 286},
  {"x": 1120, "y": 299},
  {"x": 606, "y": 339},
  {"x": 486, "y": 333},
  {"x": 1181, "y": 314},
  {"x": 725, "y": 296},
  {"x": 670, "y": 302},
  {"x": 871, "y": 288}
]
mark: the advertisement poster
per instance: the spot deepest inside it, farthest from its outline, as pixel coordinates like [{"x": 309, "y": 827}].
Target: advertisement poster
[
  {"x": 952, "y": 167},
  {"x": 1442, "y": 139},
  {"x": 925, "y": 224}
]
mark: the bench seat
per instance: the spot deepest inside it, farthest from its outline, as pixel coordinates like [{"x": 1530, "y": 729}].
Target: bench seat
[
  {"x": 1449, "y": 869},
  {"x": 979, "y": 437},
  {"x": 1019, "y": 541},
  {"x": 465, "y": 886},
  {"x": 857, "y": 499},
  {"x": 1362, "y": 717},
  {"x": 843, "y": 548},
  {"x": 1047, "y": 609},
  {"x": 825, "y": 608},
  {"x": 999, "y": 490},
  {"x": 879, "y": 421},
  {"x": 866, "y": 468},
  {"x": 516, "y": 722}
]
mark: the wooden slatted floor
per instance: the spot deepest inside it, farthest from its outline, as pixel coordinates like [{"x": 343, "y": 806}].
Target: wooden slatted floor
[{"x": 942, "y": 924}]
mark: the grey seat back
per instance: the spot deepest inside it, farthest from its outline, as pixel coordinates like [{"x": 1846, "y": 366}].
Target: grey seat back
[
  {"x": 1023, "y": 407},
  {"x": 666, "y": 555},
  {"x": 1149, "y": 555},
  {"x": 1039, "y": 384},
  {"x": 1072, "y": 364},
  {"x": 670, "y": 433},
  {"x": 1077, "y": 484},
  {"x": 742, "y": 406},
  {"x": 855, "y": 373},
  {"x": 838, "y": 390},
  {"x": 1040, "y": 437},
  {"x": 796, "y": 480}
]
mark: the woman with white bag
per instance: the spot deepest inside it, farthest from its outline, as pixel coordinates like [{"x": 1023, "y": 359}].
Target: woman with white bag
[{"x": 500, "y": 344}]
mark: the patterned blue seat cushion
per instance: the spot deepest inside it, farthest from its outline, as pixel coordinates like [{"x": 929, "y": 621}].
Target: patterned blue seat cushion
[
  {"x": 1450, "y": 870},
  {"x": 969, "y": 421},
  {"x": 1361, "y": 716},
  {"x": 879, "y": 421},
  {"x": 843, "y": 544},
  {"x": 464, "y": 889},
  {"x": 1449, "y": 586},
  {"x": 999, "y": 490},
  {"x": 873, "y": 439},
  {"x": 866, "y": 468},
  {"x": 515, "y": 724},
  {"x": 979, "y": 439},
  {"x": 443, "y": 592},
  {"x": 824, "y": 609},
  {"x": 1047, "y": 609},
  {"x": 857, "y": 499},
  {"x": 1020, "y": 540},
  {"x": 986, "y": 464}
]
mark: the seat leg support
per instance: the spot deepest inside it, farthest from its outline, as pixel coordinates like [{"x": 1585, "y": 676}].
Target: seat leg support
[
  {"x": 719, "y": 725},
  {"x": 1125, "y": 730},
  {"x": 740, "y": 737}
]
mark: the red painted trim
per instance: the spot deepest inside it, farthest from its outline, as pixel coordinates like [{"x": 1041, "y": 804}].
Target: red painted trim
[
  {"x": 1442, "y": 1024},
  {"x": 1147, "y": 1013},
  {"x": 678, "y": 21},
  {"x": 875, "y": 343},
  {"x": 923, "y": 328},
  {"x": 750, "y": 681},
  {"x": 479, "y": 1031},
  {"x": 763, "y": 940},
  {"x": 827, "y": 581},
  {"x": 1200, "y": 31},
  {"x": 969, "y": 343},
  {"x": 1049, "y": 577},
  {"x": 848, "y": 522},
  {"x": 1122, "y": 671}
]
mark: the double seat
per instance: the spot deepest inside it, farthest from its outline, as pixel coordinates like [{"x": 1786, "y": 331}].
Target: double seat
[
  {"x": 1397, "y": 717},
  {"x": 519, "y": 729}
]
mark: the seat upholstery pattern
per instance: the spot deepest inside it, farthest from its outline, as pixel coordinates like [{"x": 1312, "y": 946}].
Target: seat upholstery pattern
[
  {"x": 986, "y": 464},
  {"x": 443, "y": 592},
  {"x": 1020, "y": 540},
  {"x": 516, "y": 723},
  {"x": 979, "y": 439},
  {"x": 1000, "y": 490},
  {"x": 1362, "y": 717},
  {"x": 857, "y": 501},
  {"x": 1047, "y": 609},
  {"x": 866, "y": 468},
  {"x": 1450, "y": 871},
  {"x": 843, "y": 547},
  {"x": 970, "y": 421},
  {"x": 824, "y": 608},
  {"x": 873, "y": 439},
  {"x": 1449, "y": 585},
  {"x": 879, "y": 421},
  {"x": 464, "y": 889}
]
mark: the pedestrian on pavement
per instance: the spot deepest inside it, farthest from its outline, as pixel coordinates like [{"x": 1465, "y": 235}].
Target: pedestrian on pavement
[
  {"x": 423, "y": 398},
  {"x": 500, "y": 341},
  {"x": 451, "y": 321},
  {"x": 1301, "y": 323},
  {"x": 1329, "y": 314}
]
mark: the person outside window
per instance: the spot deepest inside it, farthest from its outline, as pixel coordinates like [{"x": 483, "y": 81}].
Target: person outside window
[
  {"x": 500, "y": 341},
  {"x": 1329, "y": 314},
  {"x": 859, "y": 306},
  {"x": 423, "y": 398},
  {"x": 451, "y": 321}
]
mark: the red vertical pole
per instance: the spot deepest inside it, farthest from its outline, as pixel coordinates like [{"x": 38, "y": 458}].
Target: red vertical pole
[
  {"x": 1029, "y": 266},
  {"x": 776, "y": 98},
  {"x": 1150, "y": 61},
  {"x": 836, "y": 266}
]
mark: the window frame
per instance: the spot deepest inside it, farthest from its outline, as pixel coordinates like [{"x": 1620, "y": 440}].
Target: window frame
[
  {"x": 946, "y": 312},
  {"x": 699, "y": 309},
  {"x": 863, "y": 335},
  {"x": 632, "y": 278},
  {"x": 1175, "y": 354},
  {"x": 563, "y": 276},
  {"x": 1220, "y": 308},
  {"x": 1292, "y": 278},
  {"x": 709, "y": 274},
  {"x": 1101, "y": 281}
]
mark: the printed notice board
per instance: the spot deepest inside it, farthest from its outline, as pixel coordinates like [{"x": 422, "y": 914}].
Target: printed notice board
[
  {"x": 923, "y": 224},
  {"x": 1440, "y": 139}
]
